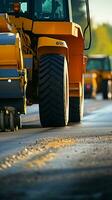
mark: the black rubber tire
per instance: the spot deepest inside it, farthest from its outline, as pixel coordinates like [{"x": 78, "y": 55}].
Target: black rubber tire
[
  {"x": 105, "y": 89},
  {"x": 7, "y": 121},
  {"x": 12, "y": 121},
  {"x": 53, "y": 91},
  {"x": 18, "y": 123},
  {"x": 76, "y": 108},
  {"x": 2, "y": 121}
]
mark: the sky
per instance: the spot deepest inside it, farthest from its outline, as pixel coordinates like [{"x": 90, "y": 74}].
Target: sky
[{"x": 101, "y": 11}]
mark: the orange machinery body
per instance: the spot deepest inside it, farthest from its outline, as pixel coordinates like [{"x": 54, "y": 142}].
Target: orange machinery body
[
  {"x": 12, "y": 73},
  {"x": 59, "y": 37}
]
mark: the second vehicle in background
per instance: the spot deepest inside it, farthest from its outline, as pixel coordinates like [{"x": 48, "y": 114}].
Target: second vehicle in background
[{"x": 98, "y": 76}]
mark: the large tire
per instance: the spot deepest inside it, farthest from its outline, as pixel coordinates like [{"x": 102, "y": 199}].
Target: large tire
[
  {"x": 76, "y": 108},
  {"x": 2, "y": 121},
  {"x": 7, "y": 121},
  {"x": 105, "y": 89},
  {"x": 53, "y": 91},
  {"x": 18, "y": 123},
  {"x": 12, "y": 121}
]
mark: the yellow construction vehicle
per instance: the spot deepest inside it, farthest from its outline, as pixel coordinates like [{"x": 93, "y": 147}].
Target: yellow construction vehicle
[
  {"x": 12, "y": 77},
  {"x": 53, "y": 51},
  {"x": 98, "y": 76}
]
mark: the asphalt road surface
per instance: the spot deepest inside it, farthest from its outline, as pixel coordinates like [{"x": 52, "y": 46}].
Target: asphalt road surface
[{"x": 70, "y": 163}]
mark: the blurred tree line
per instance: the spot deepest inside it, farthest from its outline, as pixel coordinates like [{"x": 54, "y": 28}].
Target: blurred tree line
[
  {"x": 101, "y": 40},
  {"x": 101, "y": 34}
]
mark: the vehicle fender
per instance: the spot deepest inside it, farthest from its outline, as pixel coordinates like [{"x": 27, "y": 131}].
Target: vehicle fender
[{"x": 48, "y": 45}]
